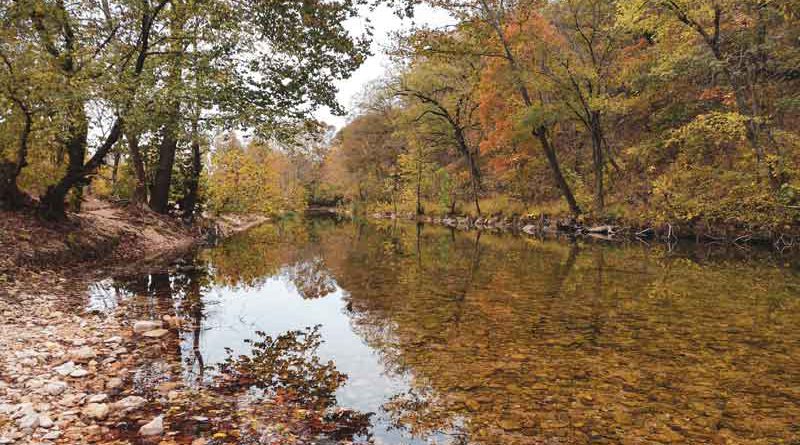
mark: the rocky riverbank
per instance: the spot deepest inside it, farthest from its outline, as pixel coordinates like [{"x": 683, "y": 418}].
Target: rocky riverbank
[
  {"x": 618, "y": 231},
  {"x": 70, "y": 374}
]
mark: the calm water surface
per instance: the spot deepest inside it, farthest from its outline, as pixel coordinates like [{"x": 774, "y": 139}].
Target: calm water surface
[{"x": 457, "y": 338}]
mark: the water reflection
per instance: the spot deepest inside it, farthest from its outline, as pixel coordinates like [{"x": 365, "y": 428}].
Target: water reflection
[{"x": 494, "y": 339}]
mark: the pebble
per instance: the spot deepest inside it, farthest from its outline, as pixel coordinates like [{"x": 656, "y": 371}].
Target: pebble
[
  {"x": 96, "y": 411},
  {"x": 156, "y": 333},
  {"x": 83, "y": 354},
  {"x": 79, "y": 373},
  {"x": 28, "y": 421},
  {"x": 114, "y": 383},
  {"x": 65, "y": 369},
  {"x": 98, "y": 398},
  {"x": 129, "y": 403},
  {"x": 145, "y": 325},
  {"x": 55, "y": 388},
  {"x": 45, "y": 421},
  {"x": 154, "y": 428},
  {"x": 52, "y": 435}
]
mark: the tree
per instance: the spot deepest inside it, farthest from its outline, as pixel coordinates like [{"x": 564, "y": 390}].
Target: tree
[{"x": 446, "y": 93}]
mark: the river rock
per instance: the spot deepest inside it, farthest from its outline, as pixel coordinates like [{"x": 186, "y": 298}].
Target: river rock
[
  {"x": 114, "y": 383},
  {"x": 156, "y": 333},
  {"x": 98, "y": 398},
  {"x": 146, "y": 325},
  {"x": 82, "y": 354},
  {"x": 65, "y": 369},
  {"x": 97, "y": 411},
  {"x": 28, "y": 421},
  {"x": 52, "y": 435},
  {"x": 45, "y": 421},
  {"x": 55, "y": 388},
  {"x": 154, "y": 428},
  {"x": 79, "y": 372},
  {"x": 129, "y": 403}
]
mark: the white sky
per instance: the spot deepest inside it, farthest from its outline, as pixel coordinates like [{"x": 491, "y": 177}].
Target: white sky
[{"x": 384, "y": 22}]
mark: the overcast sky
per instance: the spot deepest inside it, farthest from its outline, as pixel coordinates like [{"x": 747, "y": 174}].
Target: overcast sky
[{"x": 384, "y": 23}]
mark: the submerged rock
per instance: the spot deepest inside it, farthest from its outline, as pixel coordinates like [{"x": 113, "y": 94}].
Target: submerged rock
[
  {"x": 146, "y": 325},
  {"x": 156, "y": 333},
  {"x": 28, "y": 421},
  {"x": 129, "y": 403},
  {"x": 65, "y": 369},
  {"x": 97, "y": 411},
  {"x": 45, "y": 421},
  {"x": 154, "y": 428},
  {"x": 83, "y": 354},
  {"x": 55, "y": 388}
]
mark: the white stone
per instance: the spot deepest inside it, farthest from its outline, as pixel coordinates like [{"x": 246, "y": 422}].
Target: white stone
[
  {"x": 98, "y": 398},
  {"x": 55, "y": 388},
  {"x": 156, "y": 333},
  {"x": 65, "y": 369},
  {"x": 28, "y": 421},
  {"x": 79, "y": 373},
  {"x": 52, "y": 435},
  {"x": 129, "y": 403},
  {"x": 96, "y": 411},
  {"x": 45, "y": 421},
  {"x": 145, "y": 325},
  {"x": 82, "y": 354},
  {"x": 154, "y": 428}
]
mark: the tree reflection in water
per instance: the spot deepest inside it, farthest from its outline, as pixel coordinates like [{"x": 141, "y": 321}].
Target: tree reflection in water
[{"x": 508, "y": 340}]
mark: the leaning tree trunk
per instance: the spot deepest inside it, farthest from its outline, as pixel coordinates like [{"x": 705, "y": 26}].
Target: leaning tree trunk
[
  {"x": 550, "y": 154},
  {"x": 52, "y": 204}
]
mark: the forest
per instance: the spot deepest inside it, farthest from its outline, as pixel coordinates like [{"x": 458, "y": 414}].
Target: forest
[{"x": 640, "y": 112}]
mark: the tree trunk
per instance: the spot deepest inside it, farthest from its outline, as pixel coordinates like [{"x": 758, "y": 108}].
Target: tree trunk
[
  {"x": 599, "y": 163},
  {"x": 51, "y": 204},
  {"x": 11, "y": 197},
  {"x": 115, "y": 170},
  {"x": 159, "y": 196},
  {"x": 541, "y": 132},
  {"x": 420, "y": 211},
  {"x": 190, "y": 200},
  {"x": 550, "y": 154},
  {"x": 140, "y": 188}
]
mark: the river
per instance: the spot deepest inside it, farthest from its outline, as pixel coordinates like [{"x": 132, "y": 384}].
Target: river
[{"x": 469, "y": 337}]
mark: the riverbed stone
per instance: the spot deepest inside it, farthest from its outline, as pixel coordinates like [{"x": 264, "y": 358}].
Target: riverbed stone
[
  {"x": 98, "y": 398},
  {"x": 153, "y": 428},
  {"x": 55, "y": 388},
  {"x": 156, "y": 333},
  {"x": 129, "y": 403},
  {"x": 28, "y": 421},
  {"x": 65, "y": 369},
  {"x": 146, "y": 325},
  {"x": 82, "y": 354},
  {"x": 45, "y": 421},
  {"x": 79, "y": 372},
  {"x": 97, "y": 411}
]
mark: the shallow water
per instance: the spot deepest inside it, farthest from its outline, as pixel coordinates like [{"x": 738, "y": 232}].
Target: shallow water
[{"x": 472, "y": 337}]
